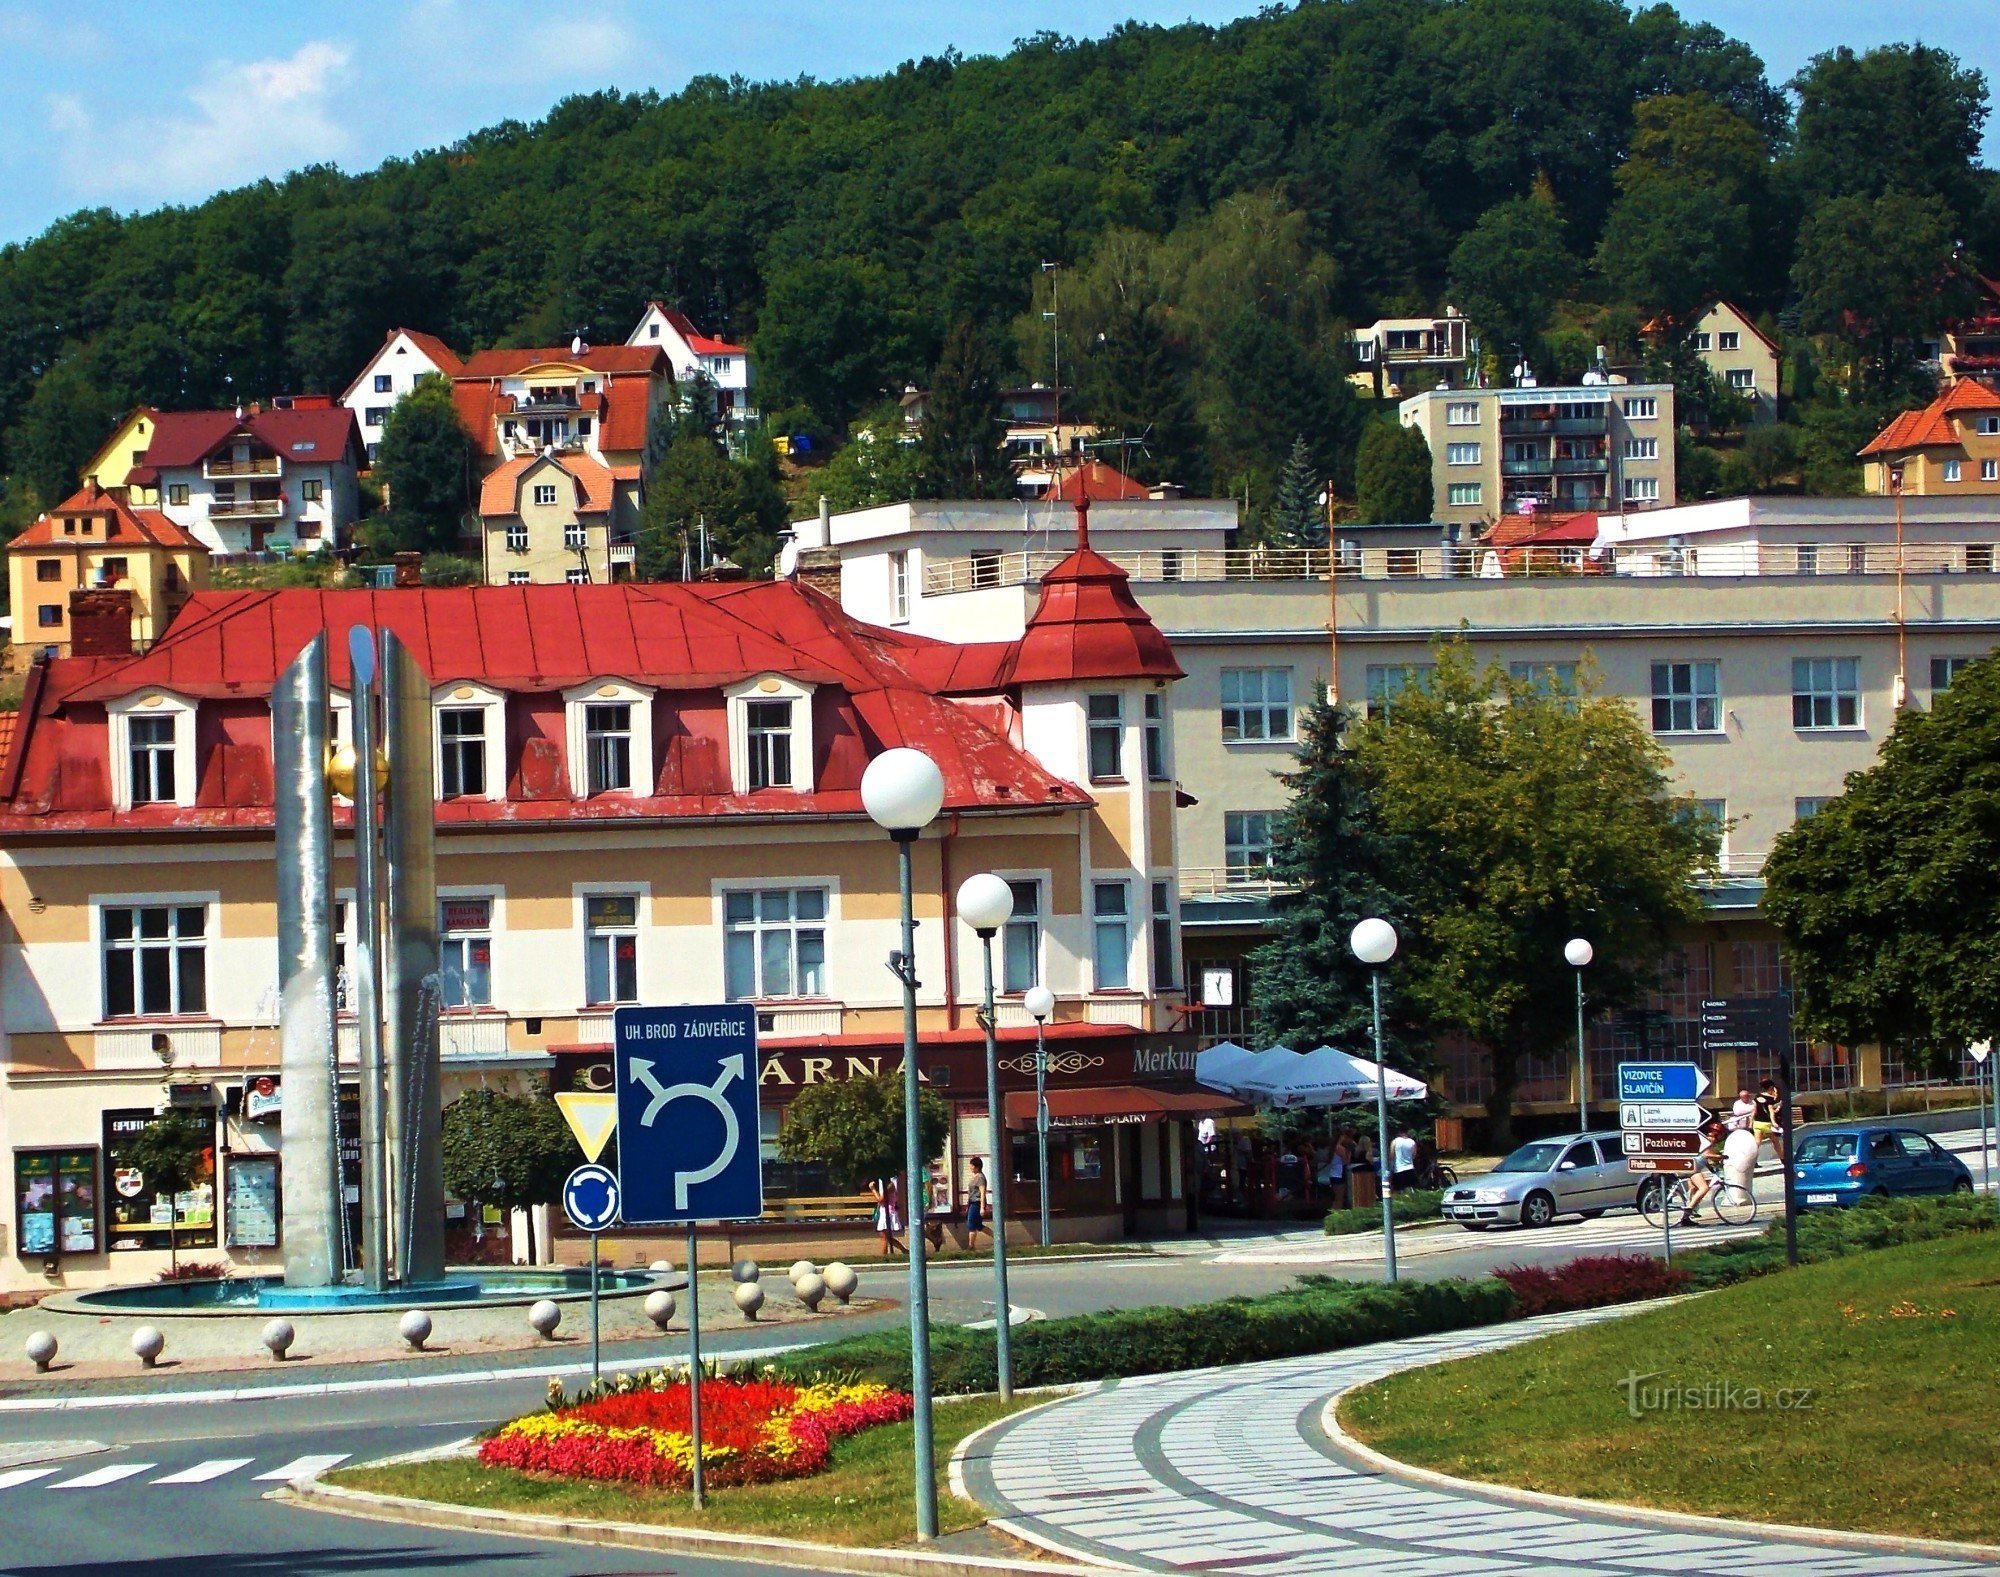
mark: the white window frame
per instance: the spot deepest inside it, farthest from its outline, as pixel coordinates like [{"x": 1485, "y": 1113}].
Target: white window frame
[
  {"x": 1693, "y": 696},
  {"x": 1154, "y": 737},
  {"x": 640, "y": 894},
  {"x": 609, "y": 692},
  {"x": 210, "y": 903},
  {"x": 1742, "y": 379},
  {"x": 899, "y": 586},
  {"x": 496, "y": 925},
  {"x": 576, "y": 535},
  {"x": 1461, "y": 454},
  {"x": 1033, "y": 924},
  {"x": 827, "y": 924},
  {"x": 520, "y": 577},
  {"x": 517, "y": 535},
  {"x": 1236, "y": 824},
  {"x": 1729, "y": 339},
  {"x": 152, "y": 703},
  {"x": 1642, "y": 408},
  {"x": 1832, "y": 683},
  {"x": 1264, "y": 707},
  {"x": 1989, "y": 470},
  {"x": 1461, "y": 413},
  {"x": 542, "y": 494},
  {"x": 1950, "y": 471},
  {"x": 1099, "y": 923},
  {"x": 1464, "y": 495},
  {"x": 770, "y": 687},
  {"x": 1642, "y": 489},
  {"x": 1642, "y": 448},
  {"x": 464, "y": 695},
  {"x": 1094, "y": 726}
]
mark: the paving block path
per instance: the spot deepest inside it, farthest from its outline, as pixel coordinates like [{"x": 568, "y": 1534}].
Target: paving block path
[{"x": 1229, "y": 1470}]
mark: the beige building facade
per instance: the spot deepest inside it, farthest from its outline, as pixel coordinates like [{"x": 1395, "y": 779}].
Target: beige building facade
[{"x": 1740, "y": 355}]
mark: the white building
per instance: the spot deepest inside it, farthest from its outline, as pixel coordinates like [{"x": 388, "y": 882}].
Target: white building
[
  {"x": 254, "y": 480},
  {"x": 690, "y": 351},
  {"x": 405, "y": 356}
]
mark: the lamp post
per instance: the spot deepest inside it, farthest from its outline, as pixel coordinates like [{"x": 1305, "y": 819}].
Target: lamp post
[
  {"x": 1040, "y": 1002},
  {"x": 987, "y": 903},
  {"x": 1579, "y": 953},
  {"x": 1374, "y": 943},
  {"x": 902, "y": 791}
]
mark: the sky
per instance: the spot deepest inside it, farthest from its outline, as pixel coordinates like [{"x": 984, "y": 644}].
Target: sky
[{"x": 137, "y": 105}]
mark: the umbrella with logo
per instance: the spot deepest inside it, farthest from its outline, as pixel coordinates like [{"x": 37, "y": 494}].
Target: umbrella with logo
[
  {"x": 1327, "y": 1076},
  {"x": 1216, "y": 1067}
]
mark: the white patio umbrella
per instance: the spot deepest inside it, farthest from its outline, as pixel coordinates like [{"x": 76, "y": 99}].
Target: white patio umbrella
[
  {"x": 1217, "y": 1066},
  {"x": 1267, "y": 1070},
  {"x": 1327, "y": 1076}
]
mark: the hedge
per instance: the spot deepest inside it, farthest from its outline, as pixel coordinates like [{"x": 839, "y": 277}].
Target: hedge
[
  {"x": 1830, "y": 1234},
  {"x": 1419, "y": 1205}
]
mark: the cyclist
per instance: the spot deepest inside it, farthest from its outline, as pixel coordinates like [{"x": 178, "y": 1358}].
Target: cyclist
[{"x": 1708, "y": 1173}]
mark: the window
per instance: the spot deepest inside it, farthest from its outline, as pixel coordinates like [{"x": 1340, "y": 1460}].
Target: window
[
  {"x": 1945, "y": 669},
  {"x": 55, "y": 1201},
  {"x": 1713, "y": 816},
  {"x": 1463, "y": 495},
  {"x": 1386, "y": 681},
  {"x": 1105, "y": 716},
  {"x": 1951, "y": 470},
  {"x": 311, "y": 490},
  {"x": 48, "y": 569},
  {"x": 545, "y": 493},
  {"x": 151, "y": 743},
  {"x": 611, "y": 947},
  {"x": 517, "y": 536},
  {"x": 1826, "y": 692},
  {"x": 1700, "y": 338},
  {"x": 1742, "y": 379},
  {"x": 1729, "y": 339},
  {"x": 1989, "y": 470},
  {"x": 1642, "y": 408},
  {"x": 155, "y": 961},
  {"x": 465, "y": 951},
  {"x": 1165, "y": 974},
  {"x": 1461, "y": 413},
  {"x": 1246, "y": 843},
  {"x": 1687, "y": 698},
  {"x": 652, "y": 331},
  {"x": 462, "y": 751},
  {"x": 583, "y": 426},
  {"x": 49, "y": 615},
  {"x": 607, "y": 744},
  {"x": 1256, "y": 703},
  {"x": 1461, "y": 454},
  {"x": 1989, "y": 426},
  {"x": 576, "y": 576},
  {"x": 1111, "y": 935},
  {"x": 1021, "y": 939},
  {"x": 774, "y": 944},
  {"x": 1546, "y": 678},
  {"x": 518, "y": 577},
  {"x": 573, "y": 537},
  {"x": 1642, "y": 489},
  {"x": 116, "y": 570},
  {"x": 768, "y": 743},
  {"x": 899, "y": 586},
  {"x": 383, "y": 383},
  {"x": 177, "y": 492},
  {"x": 1156, "y": 736},
  {"x": 1642, "y": 449},
  {"x": 1808, "y": 806},
  {"x": 375, "y": 415}
]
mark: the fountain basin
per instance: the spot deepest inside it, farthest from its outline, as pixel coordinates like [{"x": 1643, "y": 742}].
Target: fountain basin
[{"x": 471, "y": 1286}]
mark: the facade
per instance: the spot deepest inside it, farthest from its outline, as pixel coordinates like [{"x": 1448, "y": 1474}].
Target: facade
[
  {"x": 645, "y": 793},
  {"x": 1392, "y": 353},
  {"x": 1740, "y": 356},
  {"x": 1605, "y": 446},
  {"x": 1949, "y": 449},
  {"x": 1969, "y": 347},
  {"x": 91, "y": 543},
  {"x": 392, "y": 372},
  {"x": 689, "y": 351},
  {"x": 255, "y": 480},
  {"x": 123, "y": 452},
  {"x": 546, "y": 519}
]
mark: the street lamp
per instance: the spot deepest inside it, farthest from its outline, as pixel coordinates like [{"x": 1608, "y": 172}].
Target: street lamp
[
  {"x": 1579, "y": 953},
  {"x": 902, "y": 791},
  {"x": 987, "y": 903},
  {"x": 1040, "y": 1002},
  {"x": 1374, "y": 943}
]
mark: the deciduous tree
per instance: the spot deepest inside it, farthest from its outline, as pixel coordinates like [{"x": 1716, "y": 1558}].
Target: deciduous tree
[
  {"x": 855, "y": 1126},
  {"x": 1392, "y": 474},
  {"x": 509, "y": 1151},
  {"x": 425, "y": 464}
]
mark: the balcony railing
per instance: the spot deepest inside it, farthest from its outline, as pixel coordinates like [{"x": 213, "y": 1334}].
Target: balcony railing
[
  {"x": 624, "y": 553},
  {"x": 1227, "y": 881},
  {"x": 247, "y": 509},
  {"x": 263, "y": 465},
  {"x": 1581, "y": 465}
]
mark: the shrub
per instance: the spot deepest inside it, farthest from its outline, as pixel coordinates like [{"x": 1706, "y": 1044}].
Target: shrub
[
  {"x": 1418, "y": 1205},
  {"x": 1592, "y": 1282},
  {"x": 195, "y": 1270},
  {"x": 1830, "y": 1234}
]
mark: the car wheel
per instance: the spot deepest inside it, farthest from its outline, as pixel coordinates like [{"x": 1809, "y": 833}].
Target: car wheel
[
  {"x": 1538, "y": 1209},
  {"x": 1962, "y": 1186}
]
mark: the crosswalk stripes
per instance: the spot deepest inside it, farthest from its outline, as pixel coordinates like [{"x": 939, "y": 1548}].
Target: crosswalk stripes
[
  {"x": 23, "y": 1475},
  {"x": 202, "y": 1472},
  {"x": 97, "y": 1478},
  {"x": 206, "y": 1472},
  {"x": 302, "y": 1467}
]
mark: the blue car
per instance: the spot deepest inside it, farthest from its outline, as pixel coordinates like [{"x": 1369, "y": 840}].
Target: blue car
[{"x": 1842, "y": 1166}]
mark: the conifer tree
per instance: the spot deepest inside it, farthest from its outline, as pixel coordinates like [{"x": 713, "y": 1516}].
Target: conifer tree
[{"x": 1297, "y": 518}]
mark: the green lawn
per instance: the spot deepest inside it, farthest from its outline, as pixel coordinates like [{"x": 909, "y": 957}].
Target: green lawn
[
  {"x": 864, "y": 1497},
  {"x": 1899, "y": 1350}
]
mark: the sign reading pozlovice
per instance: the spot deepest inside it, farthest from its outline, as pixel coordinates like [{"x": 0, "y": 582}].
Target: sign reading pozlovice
[{"x": 686, "y": 1080}]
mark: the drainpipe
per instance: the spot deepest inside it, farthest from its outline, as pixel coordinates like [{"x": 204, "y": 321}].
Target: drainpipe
[{"x": 949, "y": 892}]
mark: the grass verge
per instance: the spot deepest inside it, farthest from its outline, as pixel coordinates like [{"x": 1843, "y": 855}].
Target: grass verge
[
  {"x": 863, "y": 1498},
  {"x": 1887, "y": 1359}
]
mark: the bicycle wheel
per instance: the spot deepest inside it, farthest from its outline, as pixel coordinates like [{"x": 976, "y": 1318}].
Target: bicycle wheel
[
  {"x": 1444, "y": 1176},
  {"x": 1735, "y": 1205},
  {"x": 1656, "y": 1197}
]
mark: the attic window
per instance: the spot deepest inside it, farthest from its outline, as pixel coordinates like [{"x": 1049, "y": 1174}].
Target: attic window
[
  {"x": 305, "y": 446},
  {"x": 770, "y": 735},
  {"x": 152, "y": 750}
]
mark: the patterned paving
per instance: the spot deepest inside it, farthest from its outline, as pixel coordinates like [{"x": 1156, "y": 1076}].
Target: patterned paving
[{"x": 1228, "y": 1470}]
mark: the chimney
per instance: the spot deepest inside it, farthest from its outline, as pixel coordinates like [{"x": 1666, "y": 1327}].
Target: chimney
[
  {"x": 409, "y": 569},
  {"x": 819, "y": 568},
  {"x": 100, "y": 623}
]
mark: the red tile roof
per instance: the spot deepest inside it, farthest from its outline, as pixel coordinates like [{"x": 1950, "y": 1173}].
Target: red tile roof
[
  {"x": 7, "y": 721},
  {"x": 594, "y": 358},
  {"x": 627, "y": 403},
  {"x": 1097, "y": 481},
  {"x": 697, "y": 341},
  {"x": 312, "y": 435},
  {"x": 130, "y": 527},
  {"x": 1931, "y": 427},
  {"x": 590, "y": 483}
]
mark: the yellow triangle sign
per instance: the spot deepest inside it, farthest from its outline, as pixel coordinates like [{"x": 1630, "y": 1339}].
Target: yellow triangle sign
[{"x": 591, "y": 1118}]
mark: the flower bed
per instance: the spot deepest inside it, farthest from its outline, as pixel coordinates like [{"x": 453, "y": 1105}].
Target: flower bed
[
  {"x": 753, "y": 1431},
  {"x": 1591, "y": 1282}
]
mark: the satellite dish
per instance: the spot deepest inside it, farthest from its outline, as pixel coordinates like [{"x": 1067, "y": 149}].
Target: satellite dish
[
  {"x": 577, "y": 346},
  {"x": 788, "y": 559}
]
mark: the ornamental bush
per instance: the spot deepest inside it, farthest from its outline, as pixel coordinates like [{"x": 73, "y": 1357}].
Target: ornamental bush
[
  {"x": 1830, "y": 1234},
  {"x": 1420, "y": 1204},
  {"x": 1591, "y": 1282}
]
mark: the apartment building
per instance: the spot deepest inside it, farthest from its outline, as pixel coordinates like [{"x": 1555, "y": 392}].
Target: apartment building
[
  {"x": 1949, "y": 449},
  {"x": 548, "y": 518},
  {"x": 405, "y": 356},
  {"x": 725, "y": 365},
  {"x": 1740, "y": 355},
  {"x": 644, "y": 793},
  {"x": 1392, "y": 354},
  {"x": 1602, "y": 446},
  {"x": 96, "y": 554}
]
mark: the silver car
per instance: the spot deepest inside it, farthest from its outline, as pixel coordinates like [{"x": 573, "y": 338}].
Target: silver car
[{"x": 1566, "y": 1175}]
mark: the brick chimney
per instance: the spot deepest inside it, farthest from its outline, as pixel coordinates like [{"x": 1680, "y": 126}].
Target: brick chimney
[
  {"x": 100, "y": 623},
  {"x": 819, "y": 568},
  {"x": 409, "y": 569}
]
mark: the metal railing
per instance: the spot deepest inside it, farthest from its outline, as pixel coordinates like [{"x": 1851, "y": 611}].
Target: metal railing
[
  {"x": 1227, "y": 881},
  {"x": 266, "y": 466},
  {"x": 246, "y": 509}
]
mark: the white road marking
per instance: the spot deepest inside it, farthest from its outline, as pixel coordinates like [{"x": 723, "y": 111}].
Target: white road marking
[
  {"x": 98, "y": 1477},
  {"x": 23, "y": 1475},
  {"x": 303, "y": 1467},
  {"x": 202, "y": 1472}
]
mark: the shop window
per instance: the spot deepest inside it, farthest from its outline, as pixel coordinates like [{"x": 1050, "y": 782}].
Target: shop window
[
  {"x": 55, "y": 1202},
  {"x": 774, "y": 944},
  {"x": 1111, "y": 935},
  {"x": 139, "y": 1216},
  {"x": 465, "y": 950},
  {"x": 155, "y": 960},
  {"x": 611, "y": 947}
]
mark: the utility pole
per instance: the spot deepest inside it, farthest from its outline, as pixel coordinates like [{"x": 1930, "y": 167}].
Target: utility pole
[{"x": 1054, "y": 318}]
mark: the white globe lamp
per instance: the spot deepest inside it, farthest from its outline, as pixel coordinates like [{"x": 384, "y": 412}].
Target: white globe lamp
[
  {"x": 1373, "y": 942},
  {"x": 1579, "y": 952},
  {"x": 1040, "y": 1002},
  {"x": 902, "y": 790},
  {"x": 986, "y": 901}
]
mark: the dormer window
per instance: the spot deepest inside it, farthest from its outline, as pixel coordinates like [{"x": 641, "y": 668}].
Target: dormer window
[
  {"x": 469, "y": 731},
  {"x": 151, "y": 740},
  {"x": 610, "y": 739},
  {"x": 770, "y": 744},
  {"x": 770, "y": 735},
  {"x": 152, "y": 750},
  {"x": 607, "y": 744}
]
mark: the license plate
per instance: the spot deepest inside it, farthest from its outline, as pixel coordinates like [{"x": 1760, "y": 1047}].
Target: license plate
[{"x": 1820, "y": 1199}]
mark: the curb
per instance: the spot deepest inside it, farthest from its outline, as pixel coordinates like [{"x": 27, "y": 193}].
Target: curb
[
  {"x": 1083, "y": 1562},
  {"x": 1618, "y": 1511},
  {"x": 32, "y": 1453},
  {"x": 312, "y": 1494}
]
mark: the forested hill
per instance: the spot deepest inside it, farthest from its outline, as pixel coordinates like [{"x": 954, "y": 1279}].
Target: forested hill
[{"x": 843, "y": 227}]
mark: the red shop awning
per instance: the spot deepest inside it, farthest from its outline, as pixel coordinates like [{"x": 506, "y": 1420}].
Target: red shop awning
[{"x": 1118, "y": 1103}]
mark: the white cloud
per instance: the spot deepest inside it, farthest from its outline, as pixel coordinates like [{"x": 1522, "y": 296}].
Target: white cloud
[
  {"x": 493, "y": 46},
  {"x": 245, "y": 120}
]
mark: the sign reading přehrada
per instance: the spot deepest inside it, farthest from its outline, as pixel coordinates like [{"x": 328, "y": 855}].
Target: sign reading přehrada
[{"x": 686, "y": 1080}]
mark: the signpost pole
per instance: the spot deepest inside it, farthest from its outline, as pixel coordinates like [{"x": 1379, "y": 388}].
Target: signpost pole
[
  {"x": 694, "y": 1369},
  {"x": 1993, "y": 1067},
  {"x": 1785, "y": 1154},
  {"x": 1666, "y": 1215},
  {"x": 1382, "y": 1126},
  {"x": 1042, "y": 1128},
  {"x": 596, "y": 1372}
]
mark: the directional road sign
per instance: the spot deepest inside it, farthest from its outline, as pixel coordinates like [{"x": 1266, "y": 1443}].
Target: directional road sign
[
  {"x": 591, "y": 1116},
  {"x": 687, "y": 1113},
  {"x": 1661, "y": 1163},
  {"x": 1662, "y": 1143},
  {"x": 590, "y": 1198},
  {"x": 1660, "y": 1081},
  {"x": 1661, "y": 1114}
]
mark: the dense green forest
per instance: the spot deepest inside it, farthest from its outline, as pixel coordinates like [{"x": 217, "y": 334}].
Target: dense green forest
[{"x": 1224, "y": 201}]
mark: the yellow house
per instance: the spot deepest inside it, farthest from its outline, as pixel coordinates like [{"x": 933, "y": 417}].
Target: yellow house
[
  {"x": 554, "y": 517},
  {"x": 1740, "y": 355},
  {"x": 94, "y": 541},
  {"x": 1949, "y": 449},
  {"x": 123, "y": 452}
]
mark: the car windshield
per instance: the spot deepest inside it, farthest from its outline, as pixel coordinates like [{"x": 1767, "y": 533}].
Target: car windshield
[
  {"x": 1540, "y": 1157},
  {"x": 1821, "y": 1147}
]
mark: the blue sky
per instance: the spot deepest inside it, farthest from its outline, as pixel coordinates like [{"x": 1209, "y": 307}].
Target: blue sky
[{"x": 137, "y": 105}]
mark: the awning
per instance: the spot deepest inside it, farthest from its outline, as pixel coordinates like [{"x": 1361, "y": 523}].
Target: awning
[{"x": 1118, "y": 1103}]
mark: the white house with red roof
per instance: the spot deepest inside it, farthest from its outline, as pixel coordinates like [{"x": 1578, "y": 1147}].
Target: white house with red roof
[
  {"x": 392, "y": 372},
  {"x": 727, "y": 366}
]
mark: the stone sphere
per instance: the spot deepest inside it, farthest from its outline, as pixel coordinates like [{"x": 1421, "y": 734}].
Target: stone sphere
[
  {"x": 415, "y": 1327},
  {"x": 810, "y": 1290},
  {"x": 660, "y": 1307},
  {"x": 841, "y": 1281},
  {"x": 277, "y": 1335},
  {"x": 802, "y": 1267},
  {"x": 42, "y": 1350},
  {"x": 749, "y": 1299},
  {"x": 148, "y": 1343},
  {"x": 745, "y": 1270},
  {"x": 545, "y": 1316},
  {"x": 660, "y": 1267}
]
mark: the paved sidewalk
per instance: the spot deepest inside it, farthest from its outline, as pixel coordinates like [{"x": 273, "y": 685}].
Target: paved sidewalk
[{"x": 1230, "y": 1470}]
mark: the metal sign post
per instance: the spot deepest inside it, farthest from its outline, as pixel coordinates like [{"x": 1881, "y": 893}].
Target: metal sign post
[
  {"x": 1980, "y": 1051},
  {"x": 694, "y": 1369},
  {"x": 590, "y": 1200},
  {"x": 1659, "y": 1117}
]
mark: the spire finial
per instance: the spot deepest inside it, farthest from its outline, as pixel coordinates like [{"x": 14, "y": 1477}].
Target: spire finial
[{"x": 1083, "y": 506}]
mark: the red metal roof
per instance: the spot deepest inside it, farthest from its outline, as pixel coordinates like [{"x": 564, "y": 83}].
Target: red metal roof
[
  {"x": 503, "y": 363},
  {"x": 312, "y": 435},
  {"x": 130, "y": 527},
  {"x": 1096, "y": 480}
]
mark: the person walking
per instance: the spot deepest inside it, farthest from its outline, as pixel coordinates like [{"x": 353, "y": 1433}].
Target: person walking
[
  {"x": 888, "y": 1217},
  {"x": 1403, "y": 1161},
  {"x": 976, "y": 1201},
  {"x": 1764, "y": 1119}
]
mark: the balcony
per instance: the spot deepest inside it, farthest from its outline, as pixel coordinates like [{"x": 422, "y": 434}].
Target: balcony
[
  {"x": 1541, "y": 467},
  {"x": 262, "y": 465},
  {"x": 1227, "y": 881},
  {"x": 1524, "y": 426},
  {"x": 624, "y": 553},
  {"x": 1581, "y": 424},
  {"x": 247, "y": 509},
  {"x": 1582, "y": 465},
  {"x": 478, "y": 1033}
]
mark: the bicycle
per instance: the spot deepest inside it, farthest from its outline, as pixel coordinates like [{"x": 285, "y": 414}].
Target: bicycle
[
  {"x": 1734, "y": 1204},
  {"x": 1437, "y": 1175}
]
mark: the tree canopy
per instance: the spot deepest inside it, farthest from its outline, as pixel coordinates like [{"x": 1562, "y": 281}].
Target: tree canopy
[
  {"x": 507, "y": 1150},
  {"x": 425, "y": 465},
  {"x": 855, "y": 1126}
]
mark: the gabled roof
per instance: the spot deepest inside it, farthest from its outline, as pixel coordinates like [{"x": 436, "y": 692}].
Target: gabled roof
[
  {"x": 505, "y": 363},
  {"x": 130, "y": 527},
  {"x": 446, "y": 359},
  {"x": 698, "y": 342},
  {"x": 318, "y": 434},
  {"x": 1931, "y": 427},
  {"x": 590, "y": 483},
  {"x": 1096, "y": 480}
]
